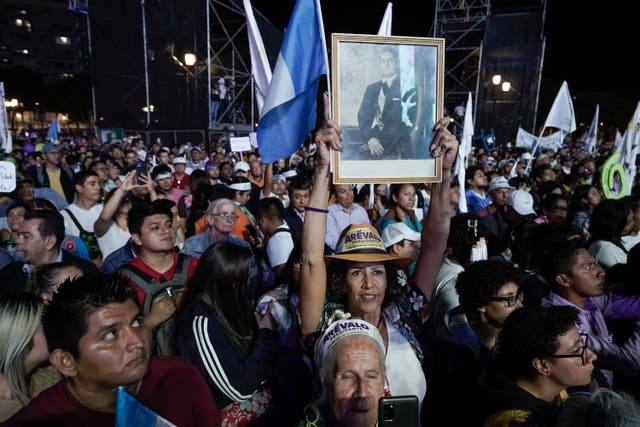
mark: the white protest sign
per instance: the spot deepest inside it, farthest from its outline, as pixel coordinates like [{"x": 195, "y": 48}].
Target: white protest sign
[
  {"x": 7, "y": 177},
  {"x": 240, "y": 143}
]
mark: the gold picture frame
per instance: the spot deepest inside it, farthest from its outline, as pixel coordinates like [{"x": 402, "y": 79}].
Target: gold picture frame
[{"x": 387, "y": 118}]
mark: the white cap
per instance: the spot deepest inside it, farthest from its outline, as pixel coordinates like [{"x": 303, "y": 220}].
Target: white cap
[
  {"x": 526, "y": 156},
  {"x": 397, "y": 232},
  {"x": 498, "y": 182},
  {"x": 341, "y": 329},
  {"x": 521, "y": 201},
  {"x": 241, "y": 166},
  {"x": 180, "y": 160}
]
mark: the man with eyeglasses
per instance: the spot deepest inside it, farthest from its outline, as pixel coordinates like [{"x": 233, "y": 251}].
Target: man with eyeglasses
[
  {"x": 221, "y": 218},
  {"x": 488, "y": 292},
  {"x": 539, "y": 354},
  {"x": 576, "y": 280}
]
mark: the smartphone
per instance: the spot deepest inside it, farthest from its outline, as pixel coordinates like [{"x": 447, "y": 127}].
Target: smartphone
[
  {"x": 253, "y": 232},
  {"x": 141, "y": 169},
  {"x": 398, "y": 411}
]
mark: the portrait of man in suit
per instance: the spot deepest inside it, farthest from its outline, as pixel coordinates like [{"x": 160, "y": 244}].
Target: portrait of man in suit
[{"x": 388, "y": 110}]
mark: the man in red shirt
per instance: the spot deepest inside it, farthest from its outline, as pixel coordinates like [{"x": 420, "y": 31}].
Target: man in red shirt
[
  {"x": 151, "y": 228},
  {"x": 180, "y": 177},
  {"x": 99, "y": 343}
]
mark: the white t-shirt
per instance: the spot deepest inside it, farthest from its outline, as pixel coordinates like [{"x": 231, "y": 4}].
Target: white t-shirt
[
  {"x": 279, "y": 247},
  {"x": 113, "y": 239},
  {"x": 86, "y": 218}
]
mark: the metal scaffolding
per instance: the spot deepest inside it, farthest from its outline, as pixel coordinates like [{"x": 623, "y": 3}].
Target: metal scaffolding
[{"x": 462, "y": 23}]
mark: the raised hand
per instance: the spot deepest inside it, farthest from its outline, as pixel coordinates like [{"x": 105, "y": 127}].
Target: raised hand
[{"x": 444, "y": 144}]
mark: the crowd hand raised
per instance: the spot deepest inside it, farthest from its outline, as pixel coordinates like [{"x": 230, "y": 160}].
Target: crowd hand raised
[
  {"x": 444, "y": 143},
  {"x": 375, "y": 147},
  {"x": 146, "y": 181},
  {"x": 129, "y": 182},
  {"x": 328, "y": 136}
]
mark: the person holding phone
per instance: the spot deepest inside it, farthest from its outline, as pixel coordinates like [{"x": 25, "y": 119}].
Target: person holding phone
[{"x": 350, "y": 359}]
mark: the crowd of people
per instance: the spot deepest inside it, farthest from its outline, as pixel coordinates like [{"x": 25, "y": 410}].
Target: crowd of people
[{"x": 218, "y": 290}]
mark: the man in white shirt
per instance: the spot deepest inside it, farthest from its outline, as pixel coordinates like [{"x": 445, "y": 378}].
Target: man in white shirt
[
  {"x": 343, "y": 213},
  {"x": 81, "y": 215},
  {"x": 279, "y": 242}
]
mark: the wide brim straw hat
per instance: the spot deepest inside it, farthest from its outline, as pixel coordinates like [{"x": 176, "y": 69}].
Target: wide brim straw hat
[{"x": 362, "y": 243}]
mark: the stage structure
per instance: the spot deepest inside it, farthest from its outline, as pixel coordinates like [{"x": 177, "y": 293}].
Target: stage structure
[
  {"x": 483, "y": 42},
  {"x": 154, "y": 64}
]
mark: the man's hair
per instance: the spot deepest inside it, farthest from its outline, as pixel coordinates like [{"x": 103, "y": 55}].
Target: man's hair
[
  {"x": 80, "y": 177},
  {"x": 160, "y": 169},
  {"x": 482, "y": 280},
  {"x": 51, "y": 223},
  {"x": 66, "y": 318},
  {"x": 559, "y": 258},
  {"x": 470, "y": 173},
  {"x": 213, "y": 206},
  {"x": 130, "y": 151},
  {"x": 138, "y": 213},
  {"x": 270, "y": 208},
  {"x": 528, "y": 333},
  {"x": 298, "y": 183}
]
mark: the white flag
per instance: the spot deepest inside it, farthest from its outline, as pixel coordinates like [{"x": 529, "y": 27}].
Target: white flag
[
  {"x": 5, "y": 134},
  {"x": 463, "y": 152},
  {"x": 385, "y": 26},
  {"x": 561, "y": 115},
  {"x": 260, "y": 68},
  {"x": 618, "y": 141},
  {"x": 592, "y": 136},
  {"x": 629, "y": 147}
]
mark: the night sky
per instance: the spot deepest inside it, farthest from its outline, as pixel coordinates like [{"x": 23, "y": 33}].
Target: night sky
[{"x": 591, "y": 47}]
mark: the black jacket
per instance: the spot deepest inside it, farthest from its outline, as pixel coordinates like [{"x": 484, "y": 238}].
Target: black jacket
[{"x": 41, "y": 179}]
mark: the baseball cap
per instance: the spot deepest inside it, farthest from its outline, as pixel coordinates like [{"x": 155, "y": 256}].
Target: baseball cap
[
  {"x": 241, "y": 166},
  {"x": 521, "y": 201},
  {"x": 361, "y": 242},
  {"x": 180, "y": 160},
  {"x": 210, "y": 165},
  {"x": 278, "y": 177},
  {"x": 526, "y": 156},
  {"x": 498, "y": 182},
  {"x": 50, "y": 146},
  {"x": 341, "y": 329},
  {"x": 397, "y": 232}
]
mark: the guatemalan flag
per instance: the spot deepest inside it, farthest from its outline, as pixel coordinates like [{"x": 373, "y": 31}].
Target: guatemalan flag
[
  {"x": 131, "y": 413},
  {"x": 289, "y": 112}
]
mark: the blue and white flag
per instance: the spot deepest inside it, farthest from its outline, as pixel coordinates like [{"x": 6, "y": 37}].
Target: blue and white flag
[
  {"x": 131, "y": 413},
  {"x": 290, "y": 110},
  {"x": 54, "y": 129},
  {"x": 260, "y": 67}
]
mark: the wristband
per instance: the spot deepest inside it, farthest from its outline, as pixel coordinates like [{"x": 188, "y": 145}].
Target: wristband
[{"x": 312, "y": 209}]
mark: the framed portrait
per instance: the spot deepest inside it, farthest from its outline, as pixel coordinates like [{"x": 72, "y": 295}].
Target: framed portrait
[{"x": 388, "y": 94}]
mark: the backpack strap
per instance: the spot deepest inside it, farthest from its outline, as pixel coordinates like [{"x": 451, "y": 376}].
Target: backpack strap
[
  {"x": 75, "y": 220},
  {"x": 141, "y": 279}
]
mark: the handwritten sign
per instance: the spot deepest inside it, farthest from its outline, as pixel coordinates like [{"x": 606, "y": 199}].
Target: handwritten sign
[
  {"x": 7, "y": 177},
  {"x": 240, "y": 143}
]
